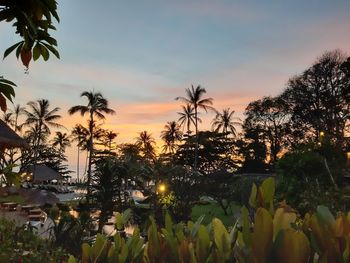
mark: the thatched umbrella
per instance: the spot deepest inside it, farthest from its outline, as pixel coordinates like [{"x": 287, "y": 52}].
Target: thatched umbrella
[
  {"x": 10, "y": 139},
  {"x": 43, "y": 173}
]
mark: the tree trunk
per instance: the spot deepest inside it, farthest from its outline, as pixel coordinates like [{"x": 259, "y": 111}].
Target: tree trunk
[
  {"x": 91, "y": 149},
  {"x": 196, "y": 146},
  {"x": 78, "y": 163}
]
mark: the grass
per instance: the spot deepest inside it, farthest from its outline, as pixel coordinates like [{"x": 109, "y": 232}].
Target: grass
[
  {"x": 13, "y": 199},
  {"x": 214, "y": 210}
]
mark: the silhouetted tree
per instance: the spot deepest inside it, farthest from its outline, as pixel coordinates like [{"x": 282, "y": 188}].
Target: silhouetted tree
[
  {"x": 226, "y": 122},
  {"x": 171, "y": 135},
  {"x": 97, "y": 106},
  {"x": 61, "y": 140},
  {"x": 195, "y": 98},
  {"x": 252, "y": 149},
  {"x": 271, "y": 118},
  {"x": 41, "y": 118},
  {"x": 187, "y": 117},
  {"x": 146, "y": 143},
  {"x": 318, "y": 99}
]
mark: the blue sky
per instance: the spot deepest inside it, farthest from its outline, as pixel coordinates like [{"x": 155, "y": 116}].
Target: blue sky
[{"x": 142, "y": 54}]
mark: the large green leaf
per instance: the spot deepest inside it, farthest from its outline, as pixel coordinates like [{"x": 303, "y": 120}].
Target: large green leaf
[
  {"x": 252, "y": 197},
  {"x": 268, "y": 189}
]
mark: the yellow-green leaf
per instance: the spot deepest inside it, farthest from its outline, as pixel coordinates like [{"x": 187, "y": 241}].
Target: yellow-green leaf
[
  {"x": 262, "y": 235},
  {"x": 295, "y": 247},
  {"x": 282, "y": 220}
]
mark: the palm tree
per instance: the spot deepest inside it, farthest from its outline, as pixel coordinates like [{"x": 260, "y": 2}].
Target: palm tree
[
  {"x": 225, "y": 122},
  {"x": 61, "y": 140},
  {"x": 187, "y": 117},
  {"x": 147, "y": 144},
  {"x": 108, "y": 137},
  {"x": 97, "y": 106},
  {"x": 11, "y": 117},
  {"x": 80, "y": 135},
  {"x": 170, "y": 135},
  {"x": 196, "y": 100},
  {"x": 17, "y": 111},
  {"x": 42, "y": 118}
]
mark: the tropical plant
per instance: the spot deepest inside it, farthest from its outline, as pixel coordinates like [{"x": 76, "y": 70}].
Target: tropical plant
[
  {"x": 146, "y": 143},
  {"x": 19, "y": 244},
  {"x": 7, "y": 91},
  {"x": 170, "y": 135},
  {"x": 108, "y": 138},
  {"x": 41, "y": 118},
  {"x": 61, "y": 140},
  {"x": 97, "y": 106},
  {"x": 108, "y": 179},
  {"x": 195, "y": 98},
  {"x": 265, "y": 234},
  {"x": 33, "y": 20},
  {"x": 225, "y": 121},
  {"x": 187, "y": 117},
  {"x": 11, "y": 177},
  {"x": 80, "y": 135},
  {"x": 67, "y": 231},
  {"x": 17, "y": 112}
]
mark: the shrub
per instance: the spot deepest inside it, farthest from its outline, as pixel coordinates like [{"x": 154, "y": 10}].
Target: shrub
[{"x": 267, "y": 234}]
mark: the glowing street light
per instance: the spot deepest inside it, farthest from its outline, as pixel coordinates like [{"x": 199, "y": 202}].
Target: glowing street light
[
  {"x": 322, "y": 133},
  {"x": 162, "y": 188}
]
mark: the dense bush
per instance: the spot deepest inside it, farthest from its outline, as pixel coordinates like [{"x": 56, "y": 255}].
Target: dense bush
[
  {"x": 312, "y": 175},
  {"x": 18, "y": 244},
  {"x": 267, "y": 234}
]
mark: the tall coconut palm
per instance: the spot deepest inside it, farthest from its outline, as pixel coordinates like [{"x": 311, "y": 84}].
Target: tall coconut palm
[
  {"x": 225, "y": 122},
  {"x": 194, "y": 97},
  {"x": 42, "y": 118},
  {"x": 170, "y": 135},
  {"x": 147, "y": 144},
  {"x": 17, "y": 111},
  {"x": 80, "y": 134},
  {"x": 97, "y": 106},
  {"x": 61, "y": 140},
  {"x": 187, "y": 117}
]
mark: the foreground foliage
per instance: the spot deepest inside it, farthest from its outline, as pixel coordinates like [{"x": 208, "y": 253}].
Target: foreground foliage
[
  {"x": 18, "y": 244},
  {"x": 263, "y": 233}
]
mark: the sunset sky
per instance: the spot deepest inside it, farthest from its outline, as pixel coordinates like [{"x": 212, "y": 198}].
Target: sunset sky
[{"x": 143, "y": 54}]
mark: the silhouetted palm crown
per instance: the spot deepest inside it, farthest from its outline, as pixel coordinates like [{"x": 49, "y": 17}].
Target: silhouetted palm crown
[
  {"x": 170, "y": 135},
  {"x": 225, "y": 121},
  {"x": 40, "y": 115},
  {"x": 61, "y": 140},
  {"x": 194, "y": 97},
  {"x": 146, "y": 142},
  {"x": 97, "y": 105},
  {"x": 187, "y": 116},
  {"x": 80, "y": 134}
]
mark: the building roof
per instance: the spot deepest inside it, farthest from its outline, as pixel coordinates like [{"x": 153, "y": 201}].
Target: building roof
[
  {"x": 43, "y": 173},
  {"x": 9, "y": 138}
]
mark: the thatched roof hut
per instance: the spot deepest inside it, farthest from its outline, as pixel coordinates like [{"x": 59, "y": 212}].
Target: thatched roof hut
[
  {"x": 43, "y": 173},
  {"x": 9, "y": 138}
]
